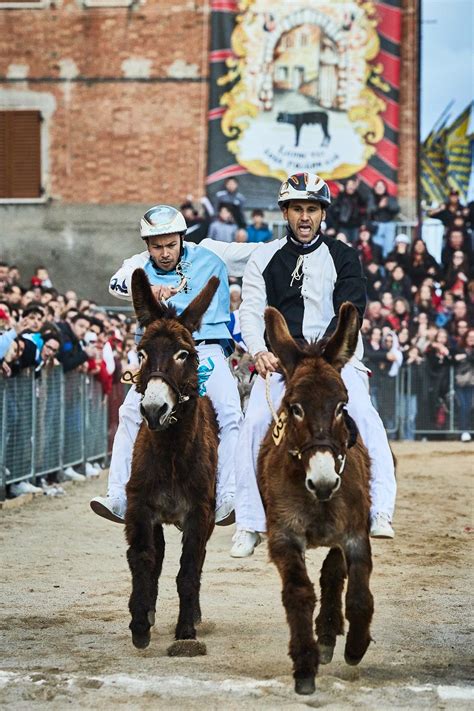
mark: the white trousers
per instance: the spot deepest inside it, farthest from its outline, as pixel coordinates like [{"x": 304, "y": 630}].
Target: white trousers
[
  {"x": 221, "y": 387},
  {"x": 248, "y": 504}
]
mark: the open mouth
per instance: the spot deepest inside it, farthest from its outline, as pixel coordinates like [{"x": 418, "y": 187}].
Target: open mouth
[{"x": 304, "y": 230}]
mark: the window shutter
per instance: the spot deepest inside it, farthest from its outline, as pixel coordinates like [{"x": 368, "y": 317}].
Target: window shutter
[{"x": 20, "y": 155}]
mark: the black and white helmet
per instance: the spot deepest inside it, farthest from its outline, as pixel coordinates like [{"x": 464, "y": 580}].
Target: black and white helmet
[
  {"x": 162, "y": 220},
  {"x": 304, "y": 186}
]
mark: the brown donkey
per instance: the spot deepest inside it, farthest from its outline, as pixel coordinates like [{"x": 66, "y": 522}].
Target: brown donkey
[
  {"x": 313, "y": 473},
  {"x": 174, "y": 464}
]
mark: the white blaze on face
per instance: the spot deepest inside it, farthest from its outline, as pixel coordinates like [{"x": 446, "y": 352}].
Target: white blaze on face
[
  {"x": 157, "y": 394},
  {"x": 321, "y": 473}
]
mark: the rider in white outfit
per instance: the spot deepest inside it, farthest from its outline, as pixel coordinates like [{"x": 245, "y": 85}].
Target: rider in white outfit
[
  {"x": 177, "y": 272},
  {"x": 307, "y": 277}
]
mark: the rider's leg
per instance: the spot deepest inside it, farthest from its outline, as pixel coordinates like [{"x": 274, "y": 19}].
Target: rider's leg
[
  {"x": 383, "y": 486},
  {"x": 221, "y": 387},
  {"x": 114, "y": 504},
  {"x": 249, "y": 512}
]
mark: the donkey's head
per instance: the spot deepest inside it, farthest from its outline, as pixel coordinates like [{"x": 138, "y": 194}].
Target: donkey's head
[
  {"x": 318, "y": 430},
  {"x": 168, "y": 358}
]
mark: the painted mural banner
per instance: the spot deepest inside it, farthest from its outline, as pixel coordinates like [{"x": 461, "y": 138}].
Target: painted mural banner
[{"x": 303, "y": 85}]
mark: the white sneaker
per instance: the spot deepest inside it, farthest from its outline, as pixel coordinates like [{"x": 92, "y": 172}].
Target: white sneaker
[
  {"x": 381, "y": 527},
  {"x": 33, "y": 489},
  {"x": 72, "y": 475},
  {"x": 466, "y": 437},
  {"x": 225, "y": 514},
  {"x": 245, "y": 543},
  {"x": 111, "y": 509},
  {"x": 20, "y": 488},
  {"x": 91, "y": 471}
]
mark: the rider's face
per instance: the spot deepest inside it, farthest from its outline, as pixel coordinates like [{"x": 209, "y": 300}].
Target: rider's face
[
  {"x": 165, "y": 250},
  {"x": 304, "y": 218}
]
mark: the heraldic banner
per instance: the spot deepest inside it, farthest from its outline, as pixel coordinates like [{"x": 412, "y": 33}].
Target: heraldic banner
[{"x": 303, "y": 85}]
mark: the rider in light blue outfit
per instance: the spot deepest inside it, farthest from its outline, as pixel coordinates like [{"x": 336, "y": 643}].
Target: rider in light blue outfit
[{"x": 177, "y": 272}]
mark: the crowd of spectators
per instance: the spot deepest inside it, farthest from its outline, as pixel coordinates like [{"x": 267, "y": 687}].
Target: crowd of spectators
[{"x": 418, "y": 324}]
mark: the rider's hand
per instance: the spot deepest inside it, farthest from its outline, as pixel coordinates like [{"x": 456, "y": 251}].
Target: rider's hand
[
  {"x": 266, "y": 362},
  {"x": 161, "y": 292}
]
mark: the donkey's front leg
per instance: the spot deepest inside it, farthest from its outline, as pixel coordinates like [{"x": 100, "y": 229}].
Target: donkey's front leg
[
  {"x": 330, "y": 621},
  {"x": 195, "y": 535},
  {"x": 141, "y": 559},
  {"x": 359, "y": 599},
  {"x": 299, "y": 600}
]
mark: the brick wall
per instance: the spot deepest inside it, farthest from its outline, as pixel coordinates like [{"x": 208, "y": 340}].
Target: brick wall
[{"x": 129, "y": 89}]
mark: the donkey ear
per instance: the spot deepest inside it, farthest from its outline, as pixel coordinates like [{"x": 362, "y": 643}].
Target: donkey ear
[
  {"x": 192, "y": 315},
  {"x": 147, "y": 308},
  {"x": 281, "y": 341},
  {"x": 341, "y": 346}
]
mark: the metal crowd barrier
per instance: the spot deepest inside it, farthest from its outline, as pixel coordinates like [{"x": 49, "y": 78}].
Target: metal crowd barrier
[
  {"x": 57, "y": 421},
  {"x": 420, "y": 404},
  {"x": 50, "y": 423}
]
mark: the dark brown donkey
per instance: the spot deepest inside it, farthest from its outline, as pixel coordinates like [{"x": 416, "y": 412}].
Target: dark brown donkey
[
  {"x": 174, "y": 463},
  {"x": 315, "y": 487}
]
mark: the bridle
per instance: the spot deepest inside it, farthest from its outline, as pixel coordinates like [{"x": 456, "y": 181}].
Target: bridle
[
  {"x": 321, "y": 442},
  {"x": 279, "y": 428},
  {"x": 134, "y": 378}
]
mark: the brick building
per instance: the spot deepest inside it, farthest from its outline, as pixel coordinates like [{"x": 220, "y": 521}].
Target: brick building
[
  {"x": 106, "y": 102},
  {"x": 121, "y": 89}
]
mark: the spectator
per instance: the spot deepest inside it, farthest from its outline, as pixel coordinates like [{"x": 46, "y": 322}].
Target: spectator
[
  {"x": 198, "y": 224},
  {"x": 413, "y": 361},
  {"x": 368, "y": 251},
  {"x": 375, "y": 315},
  {"x": 373, "y": 274},
  {"x": 438, "y": 359},
  {"x": 464, "y": 382},
  {"x": 224, "y": 228},
  {"x": 383, "y": 212},
  {"x": 235, "y": 296},
  {"x": 234, "y": 200},
  {"x": 448, "y": 210},
  {"x": 349, "y": 209},
  {"x": 424, "y": 302},
  {"x": 41, "y": 278},
  {"x": 258, "y": 231},
  {"x": 241, "y": 235},
  {"x": 400, "y": 253},
  {"x": 398, "y": 284},
  {"x": 456, "y": 241},
  {"x": 400, "y": 317},
  {"x": 457, "y": 274},
  {"x": 73, "y": 354},
  {"x": 422, "y": 264}
]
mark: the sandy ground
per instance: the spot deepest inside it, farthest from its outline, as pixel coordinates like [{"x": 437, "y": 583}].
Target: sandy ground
[{"x": 65, "y": 586}]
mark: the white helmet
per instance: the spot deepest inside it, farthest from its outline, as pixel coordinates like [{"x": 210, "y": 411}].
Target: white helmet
[
  {"x": 304, "y": 186},
  {"x": 162, "y": 220}
]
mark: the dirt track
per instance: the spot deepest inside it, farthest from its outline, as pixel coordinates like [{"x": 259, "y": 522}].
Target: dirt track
[{"x": 66, "y": 644}]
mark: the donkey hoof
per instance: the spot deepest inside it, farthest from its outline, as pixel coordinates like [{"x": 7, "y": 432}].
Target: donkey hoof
[
  {"x": 151, "y": 617},
  {"x": 352, "y": 661},
  {"x": 141, "y": 641},
  {"x": 326, "y": 652},
  {"x": 186, "y": 648},
  {"x": 305, "y": 686}
]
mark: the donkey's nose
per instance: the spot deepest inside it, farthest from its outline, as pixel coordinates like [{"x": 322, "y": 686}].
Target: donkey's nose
[
  {"x": 323, "y": 491},
  {"x": 155, "y": 416}
]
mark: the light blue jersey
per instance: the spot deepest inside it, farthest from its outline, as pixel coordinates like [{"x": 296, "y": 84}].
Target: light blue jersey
[{"x": 198, "y": 265}]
